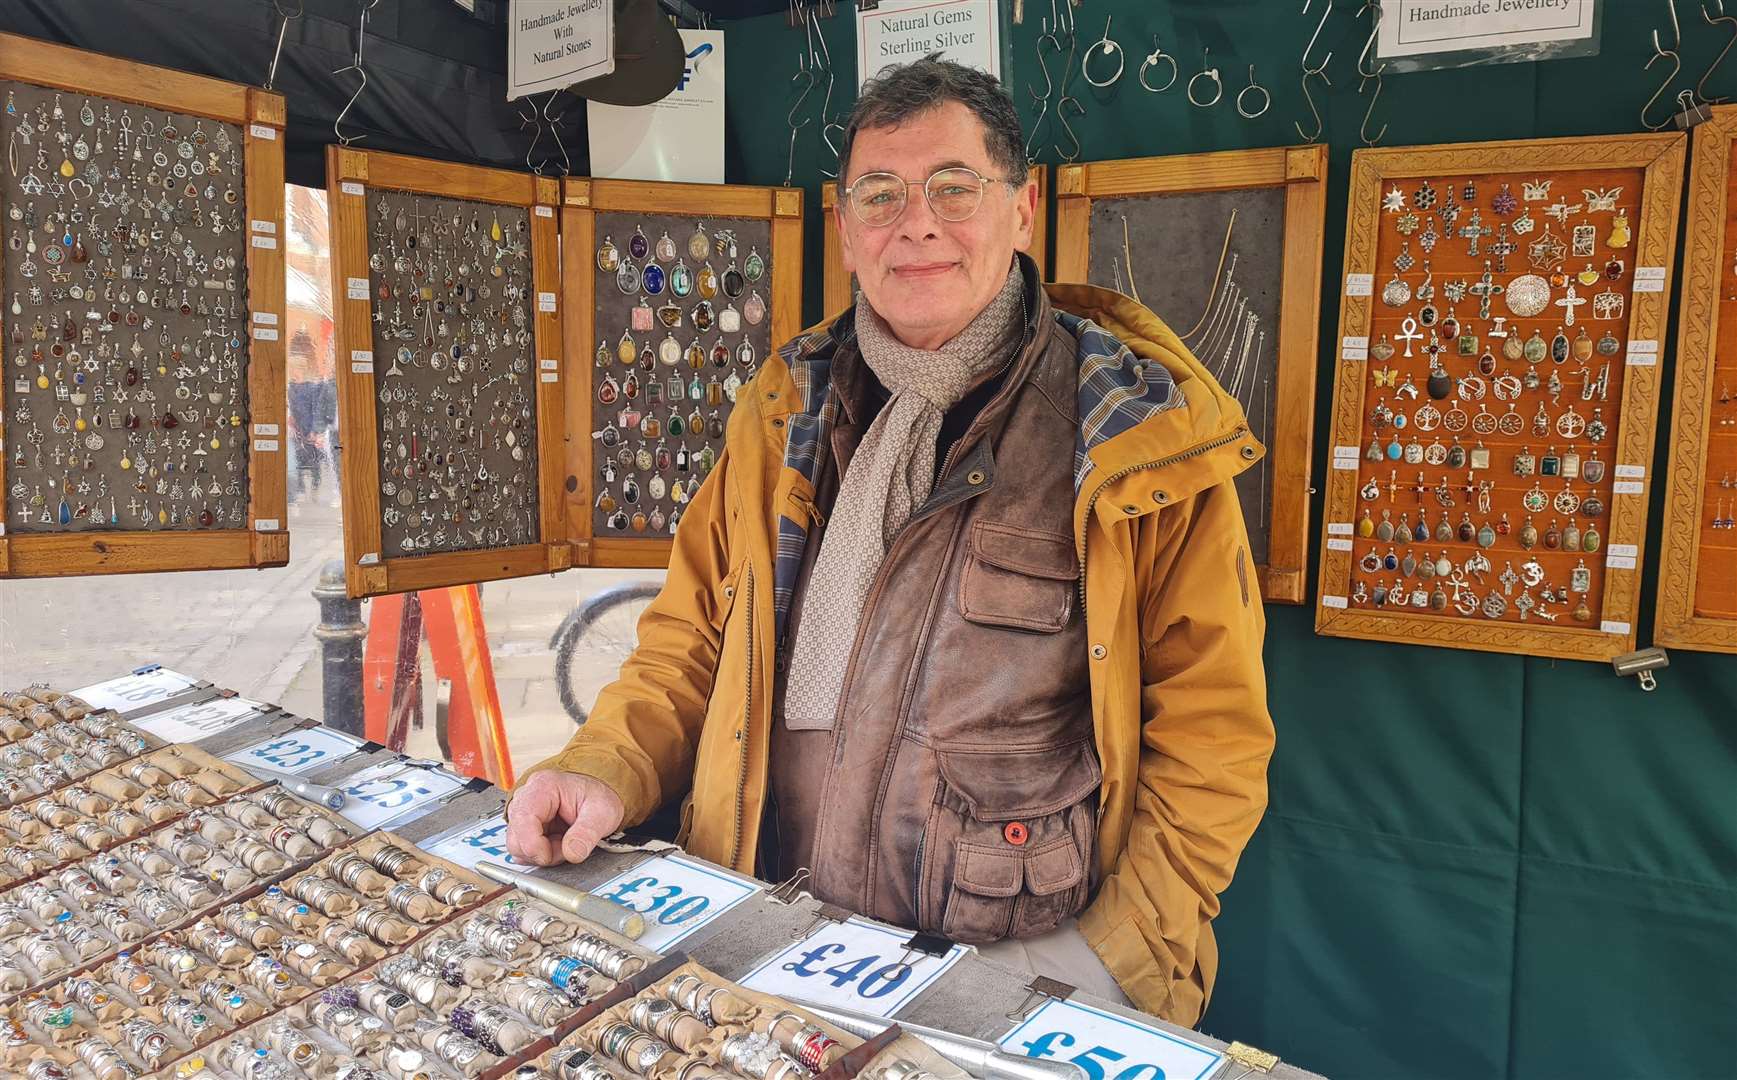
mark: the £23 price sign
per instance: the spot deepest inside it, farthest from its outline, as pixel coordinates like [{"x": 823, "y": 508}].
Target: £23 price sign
[
  {"x": 1107, "y": 1046},
  {"x": 394, "y": 792},
  {"x": 677, "y": 896},
  {"x": 856, "y": 964},
  {"x": 296, "y": 752}
]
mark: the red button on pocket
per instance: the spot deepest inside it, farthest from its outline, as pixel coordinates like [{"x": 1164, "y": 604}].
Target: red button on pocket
[{"x": 1015, "y": 833}]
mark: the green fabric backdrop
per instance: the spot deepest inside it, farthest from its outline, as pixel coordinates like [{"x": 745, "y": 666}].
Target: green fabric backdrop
[{"x": 1473, "y": 865}]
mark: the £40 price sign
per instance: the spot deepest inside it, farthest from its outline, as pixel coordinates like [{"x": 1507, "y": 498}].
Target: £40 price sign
[{"x": 855, "y": 964}]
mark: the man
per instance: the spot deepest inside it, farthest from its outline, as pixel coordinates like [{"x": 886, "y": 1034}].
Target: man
[{"x": 963, "y": 621}]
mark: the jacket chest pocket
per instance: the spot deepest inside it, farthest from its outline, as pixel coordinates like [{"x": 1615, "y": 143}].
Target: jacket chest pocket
[
  {"x": 1010, "y": 843},
  {"x": 1018, "y": 578}
]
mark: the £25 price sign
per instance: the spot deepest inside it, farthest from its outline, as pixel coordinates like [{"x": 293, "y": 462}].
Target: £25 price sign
[
  {"x": 1107, "y": 1046},
  {"x": 856, "y": 964},
  {"x": 677, "y": 896},
  {"x": 394, "y": 792}
]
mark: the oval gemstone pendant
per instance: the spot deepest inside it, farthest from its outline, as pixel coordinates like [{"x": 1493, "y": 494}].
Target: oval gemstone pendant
[
  {"x": 638, "y": 246},
  {"x": 665, "y": 248},
  {"x": 1535, "y": 349},
  {"x": 1487, "y": 536},
  {"x": 696, "y": 356},
  {"x": 626, "y": 349},
  {"x": 699, "y": 244},
  {"x": 754, "y": 266},
  {"x": 754, "y": 310},
  {"x": 1608, "y": 345},
  {"x": 669, "y": 351},
  {"x": 653, "y": 279},
  {"x": 706, "y": 281},
  {"x": 628, "y": 278},
  {"x": 608, "y": 256},
  {"x": 1559, "y": 348},
  {"x": 681, "y": 280},
  {"x": 704, "y": 316},
  {"x": 733, "y": 283}
]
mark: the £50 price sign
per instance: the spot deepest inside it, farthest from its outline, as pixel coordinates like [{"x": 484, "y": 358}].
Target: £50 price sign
[{"x": 1109, "y": 1047}]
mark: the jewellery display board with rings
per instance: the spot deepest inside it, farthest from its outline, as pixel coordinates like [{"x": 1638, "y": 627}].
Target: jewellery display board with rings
[
  {"x": 676, "y": 294},
  {"x": 142, "y": 407},
  {"x": 1697, "y": 605},
  {"x": 1496, "y": 392},
  {"x": 449, "y": 371},
  {"x": 839, "y": 284},
  {"x": 1226, "y": 249}
]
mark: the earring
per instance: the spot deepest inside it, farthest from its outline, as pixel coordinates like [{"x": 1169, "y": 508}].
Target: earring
[
  {"x": 1206, "y": 73},
  {"x": 1155, "y": 57},
  {"x": 1266, "y": 98}
]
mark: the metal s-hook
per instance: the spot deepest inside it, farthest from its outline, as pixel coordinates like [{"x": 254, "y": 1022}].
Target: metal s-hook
[
  {"x": 282, "y": 31},
  {"x": 1319, "y": 72},
  {"x": 1363, "y": 128},
  {"x": 827, "y": 125},
  {"x": 1378, "y": 74},
  {"x": 803, "y": 73},
  {"x": 1061, "y": 115},
  {"x": 1048, "y": 37},
  {"x": 1701, "y": 86},
  {"x": 354, "y": 65},
  {"x": 1661, "y": 53},
  {"x": 1155, "y": 57}
]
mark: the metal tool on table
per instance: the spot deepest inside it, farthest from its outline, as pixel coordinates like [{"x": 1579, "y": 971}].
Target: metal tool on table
[
  {"x": 329, "y": 797},
  {"x": 605, "y": 913},
  {"x": 980, "y": 1058}
]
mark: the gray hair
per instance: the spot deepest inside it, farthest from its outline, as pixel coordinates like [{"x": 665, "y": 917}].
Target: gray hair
[{"x": 899, "y": 93}]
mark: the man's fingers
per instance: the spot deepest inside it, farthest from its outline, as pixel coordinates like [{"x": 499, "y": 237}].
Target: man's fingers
[
  {"x": 597, "y": 816},
  {"x": 534, "y": 807},
  {"x": 579, "y": 842}
]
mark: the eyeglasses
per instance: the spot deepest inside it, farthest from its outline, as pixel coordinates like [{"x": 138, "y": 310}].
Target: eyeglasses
[{"x": 879, "y": 198}]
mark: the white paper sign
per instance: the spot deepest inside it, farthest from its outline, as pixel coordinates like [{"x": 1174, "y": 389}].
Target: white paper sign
[
  {"x": 261, "y": 131},
  {"x": 297, "y": 752},
  {"x": 1107, "y": 1046},
  {"x": 266, "y": 525},
  {"x": 1338, "y": 543},
  {"x": 394, "y": 792},
  {"x": 132, "y": 692},
  {"x": 1609, "y": 627},
  {"x": 262, "y": 445},
  {"x": 555, "y": 43},
  {"x": 852, "y": 965},
  {"x": 677, "y": 896},
  {"x": 473, "y": 842},
  {"x": 1334, "y": 602},
  {"x": 262, "y": 333},
  {"x": 356, "y": 288},
  {"x": 898, "y": 31},
  {"x": 678, "y": 138},
  {"x": 1359, "y": 284},
  {"x": 190, "y": 723},
  {"x": 265, "y": 241},
  {"x": 350, "y": 187},
  {"x": 1421, "y": 27}
]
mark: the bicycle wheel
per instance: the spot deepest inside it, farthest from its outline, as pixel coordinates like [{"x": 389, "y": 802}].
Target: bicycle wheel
[{"x": 594, "y": 642}]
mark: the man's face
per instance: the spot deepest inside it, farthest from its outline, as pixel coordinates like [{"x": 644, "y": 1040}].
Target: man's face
[{"x": 927, "y": 277}]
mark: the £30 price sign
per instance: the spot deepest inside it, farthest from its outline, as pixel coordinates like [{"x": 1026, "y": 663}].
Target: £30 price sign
[
  {"x": 677, "y": 896},
  {"x": 1109, "y": 1047},
  {"x": 856, "y": 964}
]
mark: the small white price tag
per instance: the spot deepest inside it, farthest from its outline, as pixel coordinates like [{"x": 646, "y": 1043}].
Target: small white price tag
[
  {"x": 369, "y": 559},
  {"x": 1619, "y": 562},
  {"x": 1338, "y": 543},
  {"x": 1349, "y": 353},
  {"x": 297, "y": 752},
  {"x": 549, "y": 365},
  {"x": 360, "y": 355},
  {"x": 550, "y": 376},
  {"x": 1355, "y": 341},
  {"x": 264, "y": 333},
  {"x": 1610, "y": 627},
  {"x": 677, "y": 896},
  {"x": 265, "y": 241},
  {"x": 1635, "y": 359},
  {"x": 1649, "y": 279},
  {"x": 1359, "y": 284},
  {"x": 1631, "y": 472},
  {"x": 361, "y": 369},
  {"x": 356, "y": 288},
  {"x": 1345, "y": 464},
  {"x": 265, "y": 429},
  {"x": 545, "y": 211},
  {"x": 265, "y": 444},
  {"x": 1338, "y": 528},
  {"x": 265, "y": 318},
  {"x": 1109, "y": 1047},
  {"x": 1630, "y": 550},
  {"x": 1334, "y": 602},
  {"x": 350, "y": 187},
  {"x": 1348, "y": 451},
  {"x": 267, "y": 525},
  {"x": 262, "y": 131},
  {"x": 190, "y": 723},
  {"x": 856, "y": 964},
  {"x": 264, "y": 226},
  {"x": 394, "y": 792},
  {"x": 472, "y": 842},
  {"x": 1627, "y": 487},
  {"x": 545, "y": 301},
  {"x": 130, "y": 692}
]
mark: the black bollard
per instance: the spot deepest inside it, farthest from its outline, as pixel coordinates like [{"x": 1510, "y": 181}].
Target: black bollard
[{"x": 341, "y": 633}]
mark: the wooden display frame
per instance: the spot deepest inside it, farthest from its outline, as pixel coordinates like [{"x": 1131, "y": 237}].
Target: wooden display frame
[
  {"x": 1677, "y": 622},
  {"x": 368, "y": 571},
  {"x": 836, "y": 286},
  {"x": 1302, "y": 172},
  {"x": 582, "y": 201},
  {"x": 1661, "y": 159},
  {"x": 261, "y": 115}
]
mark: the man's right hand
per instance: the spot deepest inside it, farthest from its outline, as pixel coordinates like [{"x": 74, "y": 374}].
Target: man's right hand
[{"x": 559, "y": 817}]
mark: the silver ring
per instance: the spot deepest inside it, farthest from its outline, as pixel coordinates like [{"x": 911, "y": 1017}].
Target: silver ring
[
  {"x": 1155, "y": 57},
  {"x": 1217, "y": 84},
  {"x": 1266, "y": 98},
  {"x": 1104, "y": 44}
]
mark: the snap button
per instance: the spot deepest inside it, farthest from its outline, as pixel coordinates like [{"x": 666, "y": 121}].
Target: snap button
[
  {"x": 1130, "y": 510},
  {"x": 1160, "y": 497},
  {"x": 772, "y": 395},
  {"x": 1099, "y": 652},
  {"x": 974, "y": 477},
  {"x": 729, "y": 592},
  {"x": 777, "y": 423},
  {"x": 1016, "y": 833},
  {"x": 1248, "y": 453}
]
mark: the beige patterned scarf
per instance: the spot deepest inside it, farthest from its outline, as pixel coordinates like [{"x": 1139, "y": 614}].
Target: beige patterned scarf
[{"x": 890, "y": 474}]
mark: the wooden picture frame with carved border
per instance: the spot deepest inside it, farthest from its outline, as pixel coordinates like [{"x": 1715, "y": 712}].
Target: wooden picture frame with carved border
[
  {"x": 582, "y": 200},
  {"x": 1302, "y": 172},
  {"x": 1686, "y": 616},
  {"x": 839, "y": 288},
  {"x": 1660, "y": 159},
  {"x": 369, "y": 571},
  {"x": 261, "y": 116}
]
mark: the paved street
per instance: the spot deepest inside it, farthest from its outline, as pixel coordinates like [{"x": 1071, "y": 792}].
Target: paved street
[{"x": 252, "y": 631}]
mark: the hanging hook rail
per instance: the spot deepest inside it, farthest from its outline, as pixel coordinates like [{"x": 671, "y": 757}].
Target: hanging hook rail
[
  {"x": 282, "y": 31},
  {"x": 354, "y": 65},
  {"x": 1661, "y": 53},
  {"x": 1319, "y": 72},
  {"x": 1701, "y": 86},
  {"x": 809, "y": 81}
]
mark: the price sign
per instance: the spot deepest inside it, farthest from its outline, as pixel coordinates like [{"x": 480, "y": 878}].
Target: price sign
[
  {"x": 470, "y": 843},
  {"x": 190, "y": 723},
  {"x": 855, "y": 964},
  {"x": 677, "y": 896},
  {"x": 395, "y": 792},
  {"x": 297, "y": 752},
  {"x": 133, "y": 692},
  {"x": 1109, "y": 1047}
]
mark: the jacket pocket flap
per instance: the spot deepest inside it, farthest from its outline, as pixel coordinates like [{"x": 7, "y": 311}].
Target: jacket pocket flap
[
  {"x": 988, "y": 871},
  {"x": 1007, "y": 786},
  {"x": 1052, "y": 868},
  {"x": 1039, "y": 554}
]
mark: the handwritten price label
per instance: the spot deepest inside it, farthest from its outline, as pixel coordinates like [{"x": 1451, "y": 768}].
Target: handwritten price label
[
  {"x": 677, "y": 897},
  {"x": 394, "y": 792},
  {"x": 190, "y": 723},
  {"x": 474, "y": 841},
  {"x": 1107, "y": 1046},
  {"x": 134, "y": 691},
  {"x": 296, "y": 751},
  {"x": 854, "y": 965}
]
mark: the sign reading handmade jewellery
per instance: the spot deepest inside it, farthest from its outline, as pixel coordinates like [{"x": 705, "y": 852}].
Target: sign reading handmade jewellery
[
  {"x": 693, "y": 328},
  {"x": 450, "y": 282},
  {"x": 126, "y": 316}
]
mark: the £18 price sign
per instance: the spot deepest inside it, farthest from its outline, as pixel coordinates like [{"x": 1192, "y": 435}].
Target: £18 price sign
[
  {"x": 190, "y": 723},
  {"x": 130, "y": 692},
  {"x": 677, "y": 896},
  {"x": 1107, "y": 1046},
  {"x": 856, "y": 964}
]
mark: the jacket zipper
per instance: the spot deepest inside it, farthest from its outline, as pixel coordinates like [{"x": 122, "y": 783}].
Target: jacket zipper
[
  {"x": 742, "y": 736},
  {"x": 1191, "y": 452}
]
